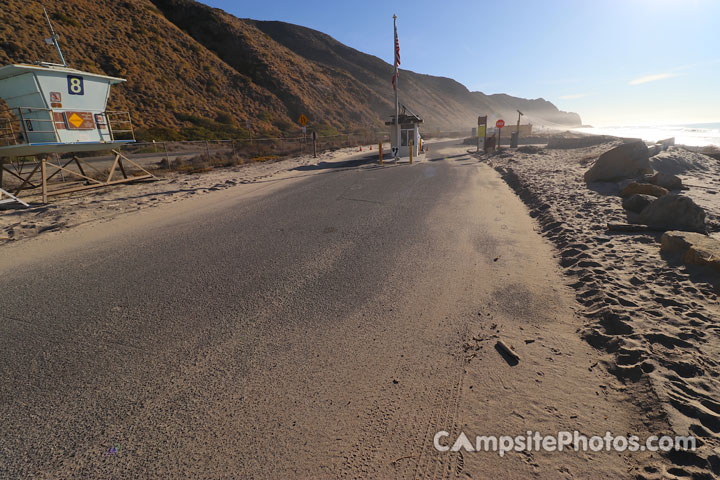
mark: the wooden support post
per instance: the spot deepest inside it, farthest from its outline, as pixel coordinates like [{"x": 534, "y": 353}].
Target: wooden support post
[
  {"x": 2, "y": 169},
  {"x": 411, "y": 151},
  {"x": 380, "y": 152},
  {"x": 79, "y": 165},
  {"x": 122, "y": 167},
  {"x": 25, "y": 180},
  {"x": 43, "y": 172},
  {"x": 114, "y": 166}
]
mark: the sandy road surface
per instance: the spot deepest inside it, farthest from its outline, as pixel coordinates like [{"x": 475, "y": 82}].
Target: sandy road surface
[{"x": 314, "y": 327}]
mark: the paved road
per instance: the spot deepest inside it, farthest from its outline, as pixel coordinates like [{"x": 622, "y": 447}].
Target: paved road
[{"x": 320, "y": 326}]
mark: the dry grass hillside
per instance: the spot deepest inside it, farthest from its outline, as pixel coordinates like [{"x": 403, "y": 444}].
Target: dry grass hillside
[{"x": 198, "y": 72}]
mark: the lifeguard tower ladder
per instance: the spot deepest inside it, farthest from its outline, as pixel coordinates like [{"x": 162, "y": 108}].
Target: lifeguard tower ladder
[{"x": 53, "y": 109}]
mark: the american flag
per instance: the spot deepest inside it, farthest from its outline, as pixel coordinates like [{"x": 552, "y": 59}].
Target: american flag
[
  {"x": 397, "y": 48},
  {"x": 397, "y": 58}
]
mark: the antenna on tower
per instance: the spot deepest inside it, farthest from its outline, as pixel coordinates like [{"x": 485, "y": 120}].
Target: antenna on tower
[{"x": 53, "y": 40}]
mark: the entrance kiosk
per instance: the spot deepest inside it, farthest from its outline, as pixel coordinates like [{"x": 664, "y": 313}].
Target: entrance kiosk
[{"x": 409, "y": 126}]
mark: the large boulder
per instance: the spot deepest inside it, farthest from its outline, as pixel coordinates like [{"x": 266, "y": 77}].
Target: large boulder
[
  {"x": 672, "y": 212},
  {"x": 643, "y": 189},
  {"x": 667, "y": 181},
  {"x": 637, "y": 203},
  {"x": 694, "y": 248},
  {"x": 624, "y": 161}
]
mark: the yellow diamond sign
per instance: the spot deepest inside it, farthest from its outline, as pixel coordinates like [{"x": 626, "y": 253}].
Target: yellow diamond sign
[{"x": 76, "y": 120}]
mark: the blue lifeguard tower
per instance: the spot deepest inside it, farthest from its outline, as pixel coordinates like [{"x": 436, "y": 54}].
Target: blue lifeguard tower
[{"x": 53, "y": 109}]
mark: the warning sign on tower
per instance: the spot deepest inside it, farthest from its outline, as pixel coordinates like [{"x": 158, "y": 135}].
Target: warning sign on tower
[{"x": 80, "y": 120}]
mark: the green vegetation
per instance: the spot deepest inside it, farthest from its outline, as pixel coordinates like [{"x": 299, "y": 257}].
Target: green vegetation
[{"x": 223, "y": 127}]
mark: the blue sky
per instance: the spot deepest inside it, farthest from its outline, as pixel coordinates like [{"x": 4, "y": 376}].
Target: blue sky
[{"x": 615, "y": 62}]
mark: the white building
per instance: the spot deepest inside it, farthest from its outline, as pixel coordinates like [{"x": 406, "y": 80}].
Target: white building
[{"x": 409, "y": 125}]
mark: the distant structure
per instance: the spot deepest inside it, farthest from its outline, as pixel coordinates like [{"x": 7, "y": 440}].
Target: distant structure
[
  {"x": 53, "y": 109},
  {"x": 403, "y": 129}
]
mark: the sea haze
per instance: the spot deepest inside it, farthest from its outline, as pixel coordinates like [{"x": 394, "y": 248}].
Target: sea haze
[{"x": 696, "y": 135}]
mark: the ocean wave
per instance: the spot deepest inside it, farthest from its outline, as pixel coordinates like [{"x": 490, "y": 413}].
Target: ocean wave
[{"x": 692, "y": 135}]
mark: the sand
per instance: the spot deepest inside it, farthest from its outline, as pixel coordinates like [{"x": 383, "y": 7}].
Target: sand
[{"x": 657, "y": 322}]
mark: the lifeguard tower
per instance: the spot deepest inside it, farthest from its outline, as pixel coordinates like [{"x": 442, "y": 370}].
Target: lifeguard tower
[
  {"x": 53, "y": 109},
  {"x": 408, "y": 124}
]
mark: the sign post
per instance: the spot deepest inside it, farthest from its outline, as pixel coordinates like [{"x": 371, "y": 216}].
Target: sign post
[
  {"x": 517, "y": 133},
  {"x": 499, "y": 124},
  {"x": 481, "y": 131},
  {"x": 303, "y": 120},
  {"x": 314, "y": 136}
]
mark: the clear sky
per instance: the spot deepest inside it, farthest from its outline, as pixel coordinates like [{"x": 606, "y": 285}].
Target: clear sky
[{"x": 615, "y": 62}]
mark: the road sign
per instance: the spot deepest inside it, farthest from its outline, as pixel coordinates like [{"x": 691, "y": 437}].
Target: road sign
[
  {"x": 304, "y": 130},
  {"x": 303, "y": 120},
  {"x": 500, "y": 123}
]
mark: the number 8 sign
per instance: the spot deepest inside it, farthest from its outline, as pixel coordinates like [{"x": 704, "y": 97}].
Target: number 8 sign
[{"x": 76, "y": 85}]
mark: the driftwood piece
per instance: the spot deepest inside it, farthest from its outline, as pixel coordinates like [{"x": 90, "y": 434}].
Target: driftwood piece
[
  {"x": 628, "y": 227},
  {"x": 502, "y": 346}
]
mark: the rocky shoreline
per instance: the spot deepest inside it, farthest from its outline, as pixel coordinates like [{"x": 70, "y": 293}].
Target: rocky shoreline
[{"x": 656, "y": 320}]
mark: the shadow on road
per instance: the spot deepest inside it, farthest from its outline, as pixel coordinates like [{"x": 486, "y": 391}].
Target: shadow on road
[{"x": 358, "y": 162}]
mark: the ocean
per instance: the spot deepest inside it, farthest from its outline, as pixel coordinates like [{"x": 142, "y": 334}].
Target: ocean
[{"x": 696, "y": 135}]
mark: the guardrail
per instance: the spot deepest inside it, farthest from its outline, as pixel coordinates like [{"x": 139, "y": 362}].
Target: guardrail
[
  {"x": 29, "y": 121},
  {"x": 25, "y": 125}
]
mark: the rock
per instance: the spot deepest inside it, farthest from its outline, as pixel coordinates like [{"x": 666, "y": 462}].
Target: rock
[
  {"x": 667, "y": 181},
  {"x": 624, "y": 161},
  {"x": 643, "y": 189},
  {"x": 667, "y": 143},
  {"x": 654, "y": 149},
  {"x": 672, "y": 212},
  {"x": 694, "y": 248},
  {"x": 637, "y": 203}
]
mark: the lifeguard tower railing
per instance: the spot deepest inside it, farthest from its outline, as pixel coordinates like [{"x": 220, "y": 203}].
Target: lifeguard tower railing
[{"x": 41, "y": 126}]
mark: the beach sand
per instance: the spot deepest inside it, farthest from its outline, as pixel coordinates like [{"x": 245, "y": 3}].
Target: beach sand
[{"x": 657, "y": 321}]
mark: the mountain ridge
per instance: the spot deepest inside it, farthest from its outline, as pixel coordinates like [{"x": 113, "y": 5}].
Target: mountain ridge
[{"x": 195, "y": 71}]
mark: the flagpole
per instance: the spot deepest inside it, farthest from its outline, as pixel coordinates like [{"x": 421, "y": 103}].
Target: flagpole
[{"x": 397, "y": 80}]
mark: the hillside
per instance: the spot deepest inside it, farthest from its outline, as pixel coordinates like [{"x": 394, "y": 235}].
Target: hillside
[{"x": 197, "y": 72}]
